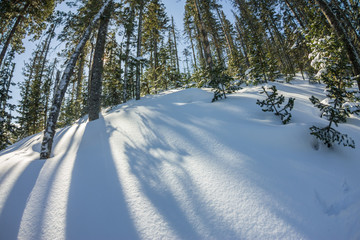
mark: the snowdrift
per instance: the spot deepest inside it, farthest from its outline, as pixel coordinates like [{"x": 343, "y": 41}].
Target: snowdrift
[{"x": 175, "y": 166}]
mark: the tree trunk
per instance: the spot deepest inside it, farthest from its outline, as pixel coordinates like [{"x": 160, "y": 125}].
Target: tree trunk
[
  {"x": 138, "y": 54},
  {"x": 176, "y": 50},
  {"x": 46, "y": 49},
  {"x": 200, "y": 48},
  {"x": 155, "y": 65},
  {"x": 243, "y": 43},
  {"x": 340, "y": 31},
  {"x": 13, "y": 31},
  {"x": 128, "y": 31},
  {"x": 49, "y": 132},
  {"x": 47, "y": 96},
  {"x": 8, "y": 39},
  {"x": 94, "y": 101},
  {"x": 192, "y": 48},
  {"x": 80, "y": 76},
  {"x": 7, "y": 89},
  {"x": 228, "y": 37},
  {"x": 91, "y": 60},
  {"x": 293, "y": 10},
  {"x": 204, "y": 38}
]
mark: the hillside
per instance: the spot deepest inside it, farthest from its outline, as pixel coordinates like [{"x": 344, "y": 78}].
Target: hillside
[{"x": 175, "y": 166}]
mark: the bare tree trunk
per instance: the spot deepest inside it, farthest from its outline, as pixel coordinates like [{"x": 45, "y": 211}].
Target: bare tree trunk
[
  {"x": 204, "y": 38},
  {"x": 200, "y": 48},
  {"x": 138, "y": 54},
  {"x": 49, "y": 132},
  {"x": 297, "y": 16},
  {"x": 47, "y": 99},
  {"x": 46, "y": 49},
  {"x": 155, "y": 65},
  {"x": 192, "y": 48},
  {"x": 94, "y": 101},
  {"x": 127, "y": 52},
  {"x": 80, "y": 76},
  {"x": 228, "y": 37},
  {"x": 176, "y": 50},
  {"x": 91, "y": 60},
  {"x": 13, "y": 31},
  {"x": 8, "y": 39}
]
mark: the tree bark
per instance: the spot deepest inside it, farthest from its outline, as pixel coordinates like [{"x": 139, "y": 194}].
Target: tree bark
[
  {"x": 49, "y": 132},
  {"x": 192, "y": 48},
  {"x": 8, "y": 39},
  {"x": 128, "y": 31},
  {"x": 138, "y": 54},
  {"x": 94, "y": 101},
  {"x": 204, "y": 38},
  {"x": 176, "y": 50}
]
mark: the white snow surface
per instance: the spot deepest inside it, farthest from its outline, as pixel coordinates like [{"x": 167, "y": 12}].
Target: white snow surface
[{"x": 175, "y": 166}]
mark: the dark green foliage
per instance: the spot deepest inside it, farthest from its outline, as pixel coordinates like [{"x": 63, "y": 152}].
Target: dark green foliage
[
  {"x": 336, "y": 114},
  {"x": 329, "y": 135},
  {"x": 7, "y": 128},
  {"x": 273, "y": 104},
  {"x": 221, "y": 84},
  {"x": 334, "y": 71}
]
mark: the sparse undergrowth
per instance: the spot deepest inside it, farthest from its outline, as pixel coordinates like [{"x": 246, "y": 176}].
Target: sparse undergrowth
[{"x": 273, "y": 103}]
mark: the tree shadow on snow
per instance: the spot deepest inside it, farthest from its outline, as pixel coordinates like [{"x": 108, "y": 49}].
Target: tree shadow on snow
[
  {"x": 45, "y": 186},
  {"x": 160, "y": 168},
  {"x": 96, "y": 207},
  {"x": 15, "y": 204}
]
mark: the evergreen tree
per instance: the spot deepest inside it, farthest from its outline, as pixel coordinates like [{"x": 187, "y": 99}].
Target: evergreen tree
[
  {"x": 333, "y": 69},
  {"x": 140, "y": 7},
  {"x": 7, "y": 128},
  {"x": 273, "y": 103},
  {"x": 254, "y": 36},
  {"x": 154, "y": 26},
  {"x": 340, "y": 28},
  {"x": 129, "y": 29},
  {"x": 22, "y": 18},
  {"x": 112, "y": 79}
]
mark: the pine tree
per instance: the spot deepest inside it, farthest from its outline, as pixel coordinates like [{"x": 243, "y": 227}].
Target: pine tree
[
  {"x": 154, "y": 26},
  {"x": 129, "y": 29},
  {"x": 112, "y": 79},
  {"x": 255, "y": 39},
  {"x": 333, "y": 69},
  {"x": 273, "y": 103},
  {"x": 340, "y": 27},
  {"x": 23, "y": 18},
  {"x": 7, "y": 128}
]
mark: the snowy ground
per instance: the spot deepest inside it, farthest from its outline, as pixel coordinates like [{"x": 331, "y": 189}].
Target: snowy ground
[{"x": 175, "y": 166}]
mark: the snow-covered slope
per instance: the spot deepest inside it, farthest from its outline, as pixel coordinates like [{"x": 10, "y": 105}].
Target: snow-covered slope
[{"x": 175, "y": 166}]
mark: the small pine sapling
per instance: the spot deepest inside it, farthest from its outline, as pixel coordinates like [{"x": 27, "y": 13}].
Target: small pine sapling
[
  {"x": 273, "y": 104},
  {"x": 335, "y": 111},
  {"x": 222, "y": 84},
  {"x": 329, "y": 58}
]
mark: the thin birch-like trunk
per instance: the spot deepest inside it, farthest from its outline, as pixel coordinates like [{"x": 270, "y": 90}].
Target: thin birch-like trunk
[{"x": 49, "y": 131}]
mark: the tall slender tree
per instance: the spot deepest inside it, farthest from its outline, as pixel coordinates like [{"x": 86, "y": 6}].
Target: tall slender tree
[
  {"x": 94, "y": 101},
  {"x": 63, "y": 84}
]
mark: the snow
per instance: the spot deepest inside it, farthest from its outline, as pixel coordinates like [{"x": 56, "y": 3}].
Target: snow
[{"x": 175, "y": 166}]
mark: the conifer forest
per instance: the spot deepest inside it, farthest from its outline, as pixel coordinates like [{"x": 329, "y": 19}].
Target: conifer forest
[
  {"x": 114, "y": 51},
  {"x": 179, "y": 119}
]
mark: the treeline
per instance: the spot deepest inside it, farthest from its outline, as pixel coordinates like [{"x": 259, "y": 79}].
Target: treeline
[{"x": 121, "y": 50}]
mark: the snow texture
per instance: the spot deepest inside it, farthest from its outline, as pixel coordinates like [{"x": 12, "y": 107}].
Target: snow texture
[{"x": 175, "y": 166}]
